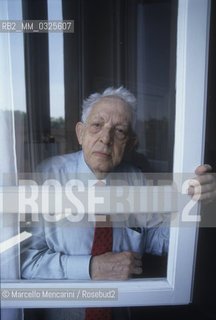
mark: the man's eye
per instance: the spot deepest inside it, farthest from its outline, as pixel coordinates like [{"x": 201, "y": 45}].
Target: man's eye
[
  {"x": 96, "y": 125},
  {"x": 120, "y": 133}
]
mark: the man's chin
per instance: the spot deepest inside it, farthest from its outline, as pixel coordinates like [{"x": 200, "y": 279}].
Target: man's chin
[{"x": 102, "y": 170}]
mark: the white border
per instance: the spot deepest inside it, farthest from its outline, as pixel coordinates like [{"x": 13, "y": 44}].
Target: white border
[{"x": 192, "y": 58}]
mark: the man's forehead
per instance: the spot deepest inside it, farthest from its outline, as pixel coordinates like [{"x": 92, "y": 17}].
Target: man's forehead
[
  {"x": 103, "y": 117},
  {"x": 112, "y": 107}
]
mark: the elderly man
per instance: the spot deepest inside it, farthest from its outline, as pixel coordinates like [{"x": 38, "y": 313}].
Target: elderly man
[
  {"x": 105, "y": 133},
  {"x": 59, "y": 252}
]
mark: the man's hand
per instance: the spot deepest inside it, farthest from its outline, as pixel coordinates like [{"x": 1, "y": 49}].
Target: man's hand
[
  {"x": 115, "y": 266},
  {"x": 203, "y": 187}
]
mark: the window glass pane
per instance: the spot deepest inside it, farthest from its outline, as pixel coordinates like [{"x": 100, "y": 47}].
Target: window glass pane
[
  {"x": 56, "y": 140},
  {"x": 115, "y": 43}
]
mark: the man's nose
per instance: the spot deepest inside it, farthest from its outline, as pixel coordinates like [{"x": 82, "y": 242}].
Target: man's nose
[{"x": 106, "y": 136}]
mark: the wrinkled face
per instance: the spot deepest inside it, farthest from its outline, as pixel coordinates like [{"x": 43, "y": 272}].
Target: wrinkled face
[{"x": 105, "y": 135}]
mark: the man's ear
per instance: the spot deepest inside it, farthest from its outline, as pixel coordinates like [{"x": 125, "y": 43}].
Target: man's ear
[
  {"x": 132, "y": 142},
  {"x": 79, "y": 132}
]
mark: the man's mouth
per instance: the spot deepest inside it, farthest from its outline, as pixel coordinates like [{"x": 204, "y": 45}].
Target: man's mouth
[{"x": 102, "y": 155}]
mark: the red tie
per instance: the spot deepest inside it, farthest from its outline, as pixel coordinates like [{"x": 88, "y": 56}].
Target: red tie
[{"x": 102, "y": 243}]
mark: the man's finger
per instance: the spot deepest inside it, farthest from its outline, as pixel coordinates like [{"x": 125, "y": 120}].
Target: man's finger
[
  {"x": 137, "y": 255},
  {"x": 201, "y": 189},
  {"x": 205, "y": 196},
  {"x": 205, "y": 179},
  {"x": 137, "y": 263},
  {"x": 203, "y": 169},
  {"x": 138, "y": 270}
]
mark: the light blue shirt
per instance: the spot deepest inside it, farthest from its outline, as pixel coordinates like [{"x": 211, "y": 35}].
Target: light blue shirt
[{"x": 62, "y": 250}]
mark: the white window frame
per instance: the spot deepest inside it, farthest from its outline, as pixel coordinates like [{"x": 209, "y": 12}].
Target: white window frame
[{"x": 191, "y": 87}]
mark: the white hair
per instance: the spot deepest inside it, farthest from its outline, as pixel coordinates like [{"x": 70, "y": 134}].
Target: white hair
[{"x": 120, "y": 93}]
